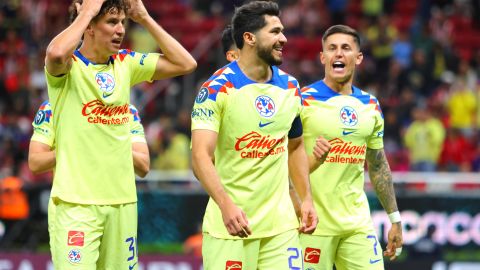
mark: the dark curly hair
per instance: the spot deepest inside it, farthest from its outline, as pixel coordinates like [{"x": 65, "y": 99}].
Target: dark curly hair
[
  {"x": 250, "y": 18},
  {"x": 107, "y": 7}
]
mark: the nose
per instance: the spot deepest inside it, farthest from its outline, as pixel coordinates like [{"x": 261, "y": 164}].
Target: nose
[
  {"x": 282, "y": 39},
  {"x": 120, "y": 29},
  {"x": 338, "y": 52}
]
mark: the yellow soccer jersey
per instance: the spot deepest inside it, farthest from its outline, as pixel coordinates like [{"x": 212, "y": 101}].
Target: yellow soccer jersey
[
  {"x": 43, "y": 127},
  {"x": 252, "y": 121},
  {"x": 91, "y": 116},
  {"x": 351, "y": 123}
]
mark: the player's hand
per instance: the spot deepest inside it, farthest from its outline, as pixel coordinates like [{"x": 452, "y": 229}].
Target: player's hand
[
  {"x": 321, "y": 149},
  {"x": 309, "y": 218},
  {"x": 395, "y": 241},
  {"x": 91, "y": 7},
  {"x": 235, "y": 220},
  {"x": 137, "y": 11}
]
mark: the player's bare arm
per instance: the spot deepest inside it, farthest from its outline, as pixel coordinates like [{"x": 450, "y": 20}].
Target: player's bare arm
[
  {"x": 203, "y": 147},
  {"x": 41, "y": 158},
  {"x": 141, "y": 158},
  {"x": 319, "y": 154},
  {"x": 175, "y": 60},
  {"x": 297, "y": 160},
  {"x": 381, "y": 179},
  {"x": 58, "y": 59}
]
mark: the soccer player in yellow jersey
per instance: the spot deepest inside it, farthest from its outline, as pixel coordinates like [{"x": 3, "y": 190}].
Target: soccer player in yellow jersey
[
  {"x": 41, "y": 154},
  {"x": 246, "y": 119},
  {"x": 94, "y": 225},
  {"x": 343, "y": 128}
]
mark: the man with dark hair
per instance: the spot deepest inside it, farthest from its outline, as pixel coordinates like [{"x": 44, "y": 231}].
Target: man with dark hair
[
  {"x": 246, "y": 119},
  {"x": 93, "y": 210},
  {"x": 229, "y": 48},
  {"x": 350, "y": 121}
]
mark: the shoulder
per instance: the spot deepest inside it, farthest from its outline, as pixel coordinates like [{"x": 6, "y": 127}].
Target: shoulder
[
  {"x": 317, "y": 91},
  {"x": 286, "y": 77},
  {"x": 219, "y": 82},
  {"x": 367, "y": 99},
  {"x": 127, "y": 55}
]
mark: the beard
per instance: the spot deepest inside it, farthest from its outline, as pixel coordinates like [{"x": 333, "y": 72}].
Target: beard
[{"x": 265, "y": 54}]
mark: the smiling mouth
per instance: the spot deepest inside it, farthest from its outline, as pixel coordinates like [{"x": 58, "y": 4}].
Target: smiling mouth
[{"x": 337, "y": 65}]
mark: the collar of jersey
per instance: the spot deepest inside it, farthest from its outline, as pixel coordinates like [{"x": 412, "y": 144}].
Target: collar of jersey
[
  {"x": 80, "y": 56},
  {"x": 324, "y": 93},
  {"x": 243, "y": 78}
]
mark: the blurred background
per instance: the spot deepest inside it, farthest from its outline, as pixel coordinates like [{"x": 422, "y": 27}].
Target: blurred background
[{"x": 422, "y": 61}]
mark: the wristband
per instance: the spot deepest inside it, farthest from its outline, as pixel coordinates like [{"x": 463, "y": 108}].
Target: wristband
[{"x": 395, "y": 217}]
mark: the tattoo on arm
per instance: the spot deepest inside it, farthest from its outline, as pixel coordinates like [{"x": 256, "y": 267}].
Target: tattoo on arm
[{"x": 381, "y": 178}]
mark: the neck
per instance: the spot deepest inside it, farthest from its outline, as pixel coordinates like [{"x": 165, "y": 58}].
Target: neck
[
  {"x": 343, "y": 88},
  {"x": 253, "y": 67},
  {"x": 93, "y": 55}
]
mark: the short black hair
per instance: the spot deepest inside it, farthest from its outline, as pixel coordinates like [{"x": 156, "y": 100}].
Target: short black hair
[
  {"x": 107, "y": 7},
  {"x": 227, "y": 39},
  {"x": 250, "y": 18},
  {"x": 342, "y": 29}
]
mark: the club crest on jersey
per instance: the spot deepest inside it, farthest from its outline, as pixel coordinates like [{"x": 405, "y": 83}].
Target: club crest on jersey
[
  {"x": 202, "y": 95},
  {"x": 348, "y": 116},
  {"x": 74, "y": 256},
  {"x": 265, "y": 106},
  {"x": 106, "y": 83}
]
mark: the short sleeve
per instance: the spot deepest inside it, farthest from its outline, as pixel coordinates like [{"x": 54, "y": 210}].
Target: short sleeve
[
  {"x": 136, "y": 128},
  {"x": 375, "y": 141},
  {"x": 43, "y": 125},
  {"x": 207, "y": 110},
  {"x": 142, "y": 66}
]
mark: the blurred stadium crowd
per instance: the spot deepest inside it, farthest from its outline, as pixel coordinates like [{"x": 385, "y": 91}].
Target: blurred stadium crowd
[{"x": 422, "y": 61}]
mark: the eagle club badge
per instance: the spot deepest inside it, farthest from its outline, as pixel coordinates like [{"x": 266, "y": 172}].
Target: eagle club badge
[
  {"x": 265, "y": 106},
  {"x": 106, "y": 82}
]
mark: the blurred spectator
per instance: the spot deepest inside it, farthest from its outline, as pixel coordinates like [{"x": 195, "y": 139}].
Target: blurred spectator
[
  {"x": 193, "y": 244},
  {"x": 381, "y": 36},
  {"x": 457, "y": 154},
  {"x": 462, "y": 106},
  {"x": 337, "y": 10},
  {"x": 14, "y": 208},
  {"x": 419, "y": 76},
  {"x": 176, "y": 151},
  {"x": 424, "y": 140},
  {"x": 372, "y": 8},
  {"x": 402, "y": 49}
]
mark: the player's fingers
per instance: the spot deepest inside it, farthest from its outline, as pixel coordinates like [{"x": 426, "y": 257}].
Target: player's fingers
[
  {"x": 245, "y": 230},
  {"x": 238, "y": 229},
  {"x": 244, "y": 224},
  {"x": 311, "y": 223},
  {"x": 230, "y": 229},
  {"x": 391, "y": 250}
]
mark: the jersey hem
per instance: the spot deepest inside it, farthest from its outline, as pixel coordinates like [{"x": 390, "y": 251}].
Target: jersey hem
[{"x": 257, "y": 236}]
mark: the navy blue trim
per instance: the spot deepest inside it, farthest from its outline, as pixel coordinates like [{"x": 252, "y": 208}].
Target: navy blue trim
[{"x": 297, "y": 128}]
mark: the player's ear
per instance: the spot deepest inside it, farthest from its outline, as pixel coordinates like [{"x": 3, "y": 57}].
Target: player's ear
[
  {"x": 89, "y": 30},
  {"x": 249, "y": 38},
  {"x": 359, "y": 58},
  {"x": 321, "y": 57}
]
